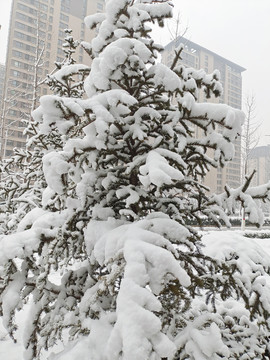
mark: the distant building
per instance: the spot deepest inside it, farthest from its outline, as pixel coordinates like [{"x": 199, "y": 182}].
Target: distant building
[
  {"x": 37, "y": 26},
  {"x": 198, "y": 57},
  {"x": 259, "y": 160},
  {"x": 2, "y": 79}
]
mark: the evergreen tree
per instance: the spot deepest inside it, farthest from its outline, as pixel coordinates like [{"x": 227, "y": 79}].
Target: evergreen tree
[
  {"x": 105, "y": 257},
  {"x": 22, "y": 174}
]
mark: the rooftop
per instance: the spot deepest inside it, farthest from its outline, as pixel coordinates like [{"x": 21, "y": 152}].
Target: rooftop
[{"x": 193, "y": 47}]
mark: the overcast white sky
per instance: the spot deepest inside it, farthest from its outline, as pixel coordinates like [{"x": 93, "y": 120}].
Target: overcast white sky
[{"x": 238, "y": 30}]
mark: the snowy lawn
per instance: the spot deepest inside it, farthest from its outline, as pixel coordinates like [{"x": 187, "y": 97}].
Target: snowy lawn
[{"x": 218, "y": 244}]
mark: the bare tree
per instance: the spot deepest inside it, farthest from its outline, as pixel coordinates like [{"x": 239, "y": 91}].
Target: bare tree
[
  {"x": 250, "y": 139},
  {"x": 250, "y": 136},
  {"x": 175, "y": 27},
  {"x": 8, "y": 103},
  {"x": 37, "y": 64},
  {"x": 176, "y": 31}
]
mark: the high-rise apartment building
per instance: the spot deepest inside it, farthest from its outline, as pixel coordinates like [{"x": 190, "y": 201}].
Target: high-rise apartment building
[
  {"x": 36, "y": 36},
  {"x": 198, "y": 57},
  {"x": 2, "y": 79},
  {"x": 259, "y": 160}
]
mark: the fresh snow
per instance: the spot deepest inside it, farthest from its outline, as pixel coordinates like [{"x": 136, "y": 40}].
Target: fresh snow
[
  {"x": 95, "y": 238},
  {"x": 219, "y": 244}
]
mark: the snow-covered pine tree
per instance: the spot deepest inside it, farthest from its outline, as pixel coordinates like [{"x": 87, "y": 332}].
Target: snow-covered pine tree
[
  {"x": 68, "y": 82},
  {"x": 106, "y": 259},
  {"x": 22, "y": 179}
]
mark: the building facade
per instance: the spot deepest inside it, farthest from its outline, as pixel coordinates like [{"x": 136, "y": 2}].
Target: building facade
[
  {"x": 36, "y": 36},
  {"x": 198, "y": 57},
  {"x": 2, "y": 81},
  {"x": 259, "y": 160}
]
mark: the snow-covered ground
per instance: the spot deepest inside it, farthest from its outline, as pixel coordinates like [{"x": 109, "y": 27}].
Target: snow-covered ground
[{"x": 215, "y": 241}]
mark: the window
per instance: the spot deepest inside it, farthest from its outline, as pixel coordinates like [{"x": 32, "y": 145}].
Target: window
[
  {"x": 27, "y": 96},
  {"x": 19, "y": 25},
  {"x": 63, "y": 25},
  {"x": 64, "y": 17},
  {"x": 10, "y": 142},
  {"x": 15, "y": 73},
  {"x": 30, "y": 48},
  {"x": 27, "y": 9},
  {"x": 12, "y": 112},
  {"x": 32, "y": 2},
  {"x": 17, "y": 54},
  {"x": 18, "y": 35},
  {"x": 30, "y": 39},
  {"x": 41, "y": 43},
  {"x": 31, "y": 29},
  {"x": 21, "y": 124},
  {"x": 21, "y": 16},
  {"x": 43, "y": 16},
  {"x": 17, "y": 44},
  {"x": 9, "y": 153},
  {"x": 43, "y": 7},
  {"x": 25, "y": 37},
  {"x": 15, "y": 83},
  {"x": 65, "y": 8},
  {"x": 29, "y": 57},
  {"x": 42, "y": 25}
]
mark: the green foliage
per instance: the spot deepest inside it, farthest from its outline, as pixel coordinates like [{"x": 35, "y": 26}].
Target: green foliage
[{"x": 257, "y": 235}]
